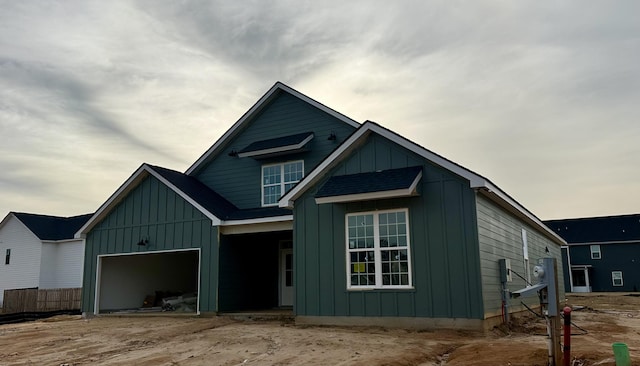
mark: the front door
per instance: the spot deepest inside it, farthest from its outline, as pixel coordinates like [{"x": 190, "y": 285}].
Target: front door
[{"x": 286, "y": 277}]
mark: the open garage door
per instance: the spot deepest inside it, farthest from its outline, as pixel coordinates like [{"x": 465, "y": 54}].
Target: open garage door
[{"x": 139, "y": 282}]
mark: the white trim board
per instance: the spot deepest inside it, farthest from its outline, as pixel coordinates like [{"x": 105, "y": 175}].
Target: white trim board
[
  {"x": 96, "y": 299},
  {"x": 404, "y": 192},
  {"x": 138, "y": 176},
  {"x": 475, "y": 181},
  {"x": 277, "y": 150},
  {"x": 253, "y": 111}
]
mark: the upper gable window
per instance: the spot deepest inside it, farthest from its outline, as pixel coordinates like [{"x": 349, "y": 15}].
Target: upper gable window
[
  {"x": 595, "y": 252},
  {"x": 278, "y": 179},
  {"x": 7, "y": 258}
]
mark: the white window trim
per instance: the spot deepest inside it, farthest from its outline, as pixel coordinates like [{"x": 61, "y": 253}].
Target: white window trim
[
  {"x": 525, "y": 257},
  {"x": 282, "y": 182},
  {"x": 613, "y": 278},
  {"x": 376, "y": 248},
  {"x": 599, "y": 251}
]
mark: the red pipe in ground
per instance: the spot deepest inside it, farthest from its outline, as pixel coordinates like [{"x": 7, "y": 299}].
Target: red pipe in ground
[{"x": 566, "y": 349}]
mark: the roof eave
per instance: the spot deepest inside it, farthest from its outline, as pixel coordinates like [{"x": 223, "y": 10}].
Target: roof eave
[
  {"x": 476, "y": 181},
  {"x": 495, "y": 194},
  {"x": 254, "y": 110},
  {"x": 142, "y": 172}
]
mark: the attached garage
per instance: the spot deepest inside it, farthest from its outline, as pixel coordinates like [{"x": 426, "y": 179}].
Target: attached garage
[{"x": 126, "y": 280}]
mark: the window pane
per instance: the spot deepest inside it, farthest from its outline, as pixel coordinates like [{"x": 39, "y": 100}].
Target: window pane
[
  {"x": 404, "y": 280},
  {"x": 368, "y": 242},
  {"x": 360, "y": 231},
  {"x": 289, "y": 278},
  {"x": 363, "y": 270},
  {"x": 395, "y": 264},
  {"x": 402, "y": 240}
]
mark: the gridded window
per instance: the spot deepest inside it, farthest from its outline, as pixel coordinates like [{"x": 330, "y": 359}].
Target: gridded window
[
  {"x": 595, "y": 252},
  {"x": 378, "y": 250},
  {"x": 616, "y": 278},
  {"x": 278, "y": 179},
  {"x": 7, "y": 258}
]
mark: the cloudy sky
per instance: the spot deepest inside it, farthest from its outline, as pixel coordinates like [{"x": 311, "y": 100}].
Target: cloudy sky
[{"x": 542, "y": 98}]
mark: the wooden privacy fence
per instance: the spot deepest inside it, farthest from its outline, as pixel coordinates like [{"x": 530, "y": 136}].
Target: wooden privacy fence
[{"x": 31, "y": 300}]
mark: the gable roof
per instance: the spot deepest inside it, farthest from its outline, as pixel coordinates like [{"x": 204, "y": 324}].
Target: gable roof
[
  {"x": 205, "y": 200},
  {"x": 603, "y": 229},
  {"x": 476, "y": 181},
  {"x": 51, "y": 228},
  {"x": 263, "y": 102}
]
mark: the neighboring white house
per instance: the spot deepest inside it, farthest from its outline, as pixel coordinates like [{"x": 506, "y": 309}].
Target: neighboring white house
[{"x": 40, "y": 251}]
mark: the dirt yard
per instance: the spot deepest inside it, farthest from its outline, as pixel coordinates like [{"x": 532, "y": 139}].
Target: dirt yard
[{"x": 70, "y": 340}]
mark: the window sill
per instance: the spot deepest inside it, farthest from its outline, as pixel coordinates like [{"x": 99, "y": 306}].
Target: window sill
[{"x": 381, "y": 289}]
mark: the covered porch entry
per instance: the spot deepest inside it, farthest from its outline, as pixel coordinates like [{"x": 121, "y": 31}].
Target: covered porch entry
[
  {"x": 256, "y": 271},
  {"x": 580, "y": 279}
]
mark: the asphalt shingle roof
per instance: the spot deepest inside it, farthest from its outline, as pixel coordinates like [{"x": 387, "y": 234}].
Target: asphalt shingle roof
[
  {"x": 385, "y": 180},
  {"x": 212, "y": 201},
  {"x": 200, "y": 193},
  {"x": 52, "y": 227},
  {"x": 597, "y": 229},
  {"x": 277, "y": 142}
]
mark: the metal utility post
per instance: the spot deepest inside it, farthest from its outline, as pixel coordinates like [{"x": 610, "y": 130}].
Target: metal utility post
[{"x": 547, "y": 289}]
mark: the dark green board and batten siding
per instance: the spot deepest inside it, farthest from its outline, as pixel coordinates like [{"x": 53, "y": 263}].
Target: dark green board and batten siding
[
  {"x": 500, "y": 235},
  {"x": 443, "y": 239},
  {"x": 169, "y": 222},
  {"x": 238, "y": 179}
]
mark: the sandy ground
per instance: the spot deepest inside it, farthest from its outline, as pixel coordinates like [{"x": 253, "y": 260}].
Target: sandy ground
[{"x": 71, "y": 340}]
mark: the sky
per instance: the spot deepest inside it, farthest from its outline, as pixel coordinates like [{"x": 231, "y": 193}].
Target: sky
[{"x": 542, "y": 98}]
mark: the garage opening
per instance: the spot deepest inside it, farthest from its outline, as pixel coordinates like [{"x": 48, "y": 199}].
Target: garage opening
[{"x": 149, "y": 282}]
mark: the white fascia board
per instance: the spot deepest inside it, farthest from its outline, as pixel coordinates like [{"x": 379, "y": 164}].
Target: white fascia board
[
  {"x": 318, "y": 105},
  {"x": 214, "y": 219},
  {"x": 475, "y": 180},
  {"x": 261, "y": 220},
  {"x": 143, "y": 171},
  {"x": 286, "y": 201},
  {"x": 115, "y": 198},
  {"x": 12, "y": 215},
  {"x": 497, "y": 195},
  {"x": 406, "y": 192},
  {"x": 63, "y": 241},
  {"x": 637, "y": 241},
  {"x": 276, "y": 150},
  {"x": 6, "y": 219},
  {"x": 257, "y": 107},
  {"x": 365, "y": 196},
  {"x": 257, "y": 228}
]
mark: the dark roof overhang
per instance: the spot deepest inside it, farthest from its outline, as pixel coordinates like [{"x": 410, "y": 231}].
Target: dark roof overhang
[
  {"x": 278, "y": 146},
  {"x": 391, "y": 183}
]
